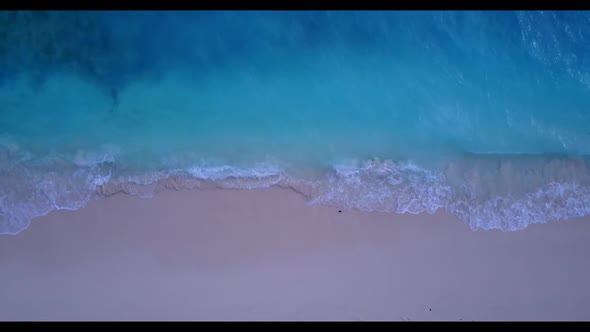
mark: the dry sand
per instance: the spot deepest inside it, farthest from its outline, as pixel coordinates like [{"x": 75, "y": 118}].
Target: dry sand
[{"x": 268, "y": 255}]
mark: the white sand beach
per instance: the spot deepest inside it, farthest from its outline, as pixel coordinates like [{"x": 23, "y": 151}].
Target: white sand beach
[{"x": 266, "y": 254}]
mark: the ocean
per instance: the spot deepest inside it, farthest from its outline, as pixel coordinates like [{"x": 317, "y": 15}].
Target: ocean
[{"x": 485, "y": 115}]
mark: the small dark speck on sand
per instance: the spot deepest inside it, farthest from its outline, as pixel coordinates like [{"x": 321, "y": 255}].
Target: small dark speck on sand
[
  {"x": 339, "y": 211},
  {"x": 430, "y": 309}
]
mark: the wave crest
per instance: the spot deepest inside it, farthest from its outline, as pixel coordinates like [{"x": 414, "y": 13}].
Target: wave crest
[{"x": 485, "y": 192}]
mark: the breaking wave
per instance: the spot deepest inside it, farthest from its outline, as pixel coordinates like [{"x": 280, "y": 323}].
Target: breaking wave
[{"x": 486, "y": 192}]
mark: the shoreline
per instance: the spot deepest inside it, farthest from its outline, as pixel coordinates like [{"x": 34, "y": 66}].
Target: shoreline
[
  {"x": 483, "y": 194},
  {"x": 266, "y": 254}
]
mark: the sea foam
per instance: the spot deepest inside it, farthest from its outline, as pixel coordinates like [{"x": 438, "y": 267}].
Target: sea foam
[{"x": 486, "y": 192}]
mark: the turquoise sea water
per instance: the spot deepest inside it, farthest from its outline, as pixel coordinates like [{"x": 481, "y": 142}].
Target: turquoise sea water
[{"x": 483, "y": 114}]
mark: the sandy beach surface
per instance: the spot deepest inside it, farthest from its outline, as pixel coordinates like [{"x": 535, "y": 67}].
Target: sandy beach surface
[{"x": 268, "y": 255}]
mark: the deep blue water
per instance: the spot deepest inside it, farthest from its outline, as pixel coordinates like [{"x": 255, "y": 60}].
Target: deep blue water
[{"x": 483, "y": 114}]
